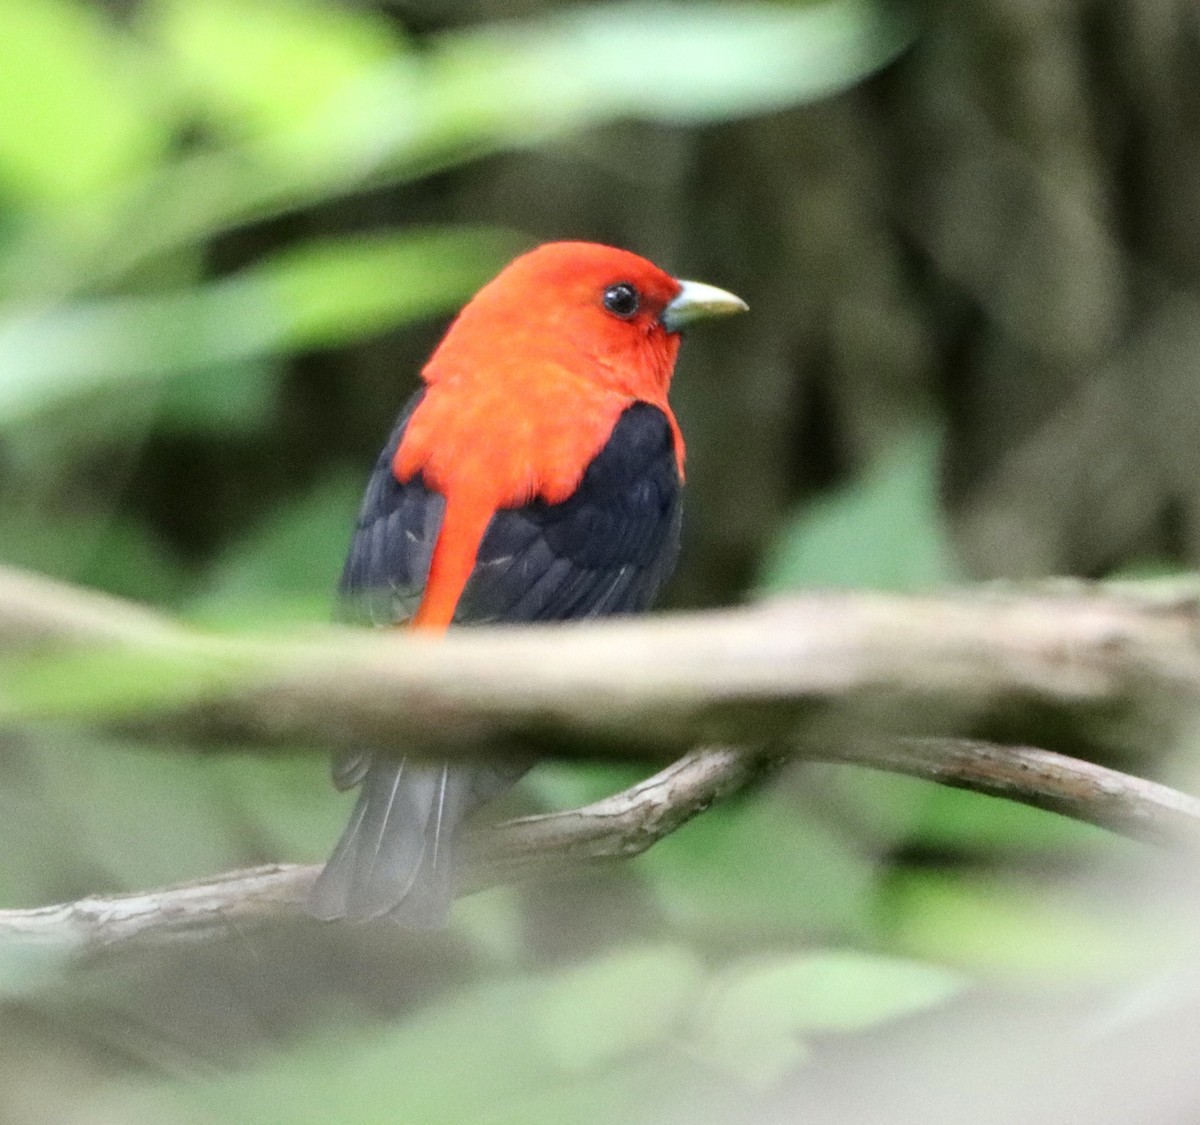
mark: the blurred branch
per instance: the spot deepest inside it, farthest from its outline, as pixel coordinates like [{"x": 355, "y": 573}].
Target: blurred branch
[
  {"x": 836, "y": 676},
  {"x": 622, "y": 825},
  {"x": 1115, "y": 666}
]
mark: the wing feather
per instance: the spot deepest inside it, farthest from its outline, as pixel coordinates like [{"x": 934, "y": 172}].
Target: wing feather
[{"x": 606, "y": 550}]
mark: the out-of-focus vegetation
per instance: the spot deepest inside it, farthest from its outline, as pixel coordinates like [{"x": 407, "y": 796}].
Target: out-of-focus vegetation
[{"x": 230, "y": 230}]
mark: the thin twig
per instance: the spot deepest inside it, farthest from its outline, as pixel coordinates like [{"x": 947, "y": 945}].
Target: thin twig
[
  {"x": 618, "y": 827},
  {"x": 622, "y": 825},
  {"x": 1124, "y": 804}
]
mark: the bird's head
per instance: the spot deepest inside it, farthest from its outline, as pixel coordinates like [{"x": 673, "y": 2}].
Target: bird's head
[{"x": 595, "y": 311}]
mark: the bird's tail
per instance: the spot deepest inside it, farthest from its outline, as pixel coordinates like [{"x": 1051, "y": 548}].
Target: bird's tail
[{"x": 395, "y": 857}]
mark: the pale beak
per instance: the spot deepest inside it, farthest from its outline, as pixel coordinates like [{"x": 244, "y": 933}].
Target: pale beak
[{"x": 697, "y": 301}]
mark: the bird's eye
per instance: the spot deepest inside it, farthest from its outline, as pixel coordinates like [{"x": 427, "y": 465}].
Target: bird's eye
[{"x": 622, "y": 299}]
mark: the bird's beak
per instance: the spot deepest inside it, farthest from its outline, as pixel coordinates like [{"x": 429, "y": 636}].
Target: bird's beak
[{"x": 697, "y": 301}]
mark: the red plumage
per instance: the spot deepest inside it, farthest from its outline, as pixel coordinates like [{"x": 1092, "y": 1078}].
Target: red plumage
[
  {"x": 535, "y": 476},
  {"x": 524, "y": 390}
]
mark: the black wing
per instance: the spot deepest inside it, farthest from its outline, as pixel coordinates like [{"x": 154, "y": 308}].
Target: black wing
[
  {"x": 393, "y": 541},
  {"x": 606, "y": 550}
]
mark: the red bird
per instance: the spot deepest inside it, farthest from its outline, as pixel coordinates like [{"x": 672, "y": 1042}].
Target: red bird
[{"x": 535, "y": 476}]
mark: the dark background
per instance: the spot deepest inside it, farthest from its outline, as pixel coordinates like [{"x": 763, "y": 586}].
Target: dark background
[{"x": 230, "y": 232}]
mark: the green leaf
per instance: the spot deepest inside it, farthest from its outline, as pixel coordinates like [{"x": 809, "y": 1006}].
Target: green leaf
[
  {"x": 957, "y": 819},
  {"x": 288, "y": 803},
  {"x": 78, "y": 111},
  {"x": 97, "y": 817},
  {"x": 262, "y": 66},
  {"x": 616, "y": 1004},
  {"x": 329, "y": 291},
  {"x": 757, "y": 1014},
  {"x": 320, "y": 294},
  {"x": 679, "y": 64},
  {"x": 27, "y": 967},
  {"x": 516, "y": 1050},
  {"x": 84, "y": 814},
  {"x": 755, "y": 868},
  {"x": 895, "y": 810},
  {"x": 883, "y": 531},
  {"x": 95, "y": 548},
  {"x": 597, "y": 1042},
  {"x": 567, "y": 785},
  {"x": 51, "y": 356},
  {"x": 224, "y": 400},
  {"x": 289, "y": 567},
  {"x": 471, "y": 92},
  {"x": 1014, "y": 929}
]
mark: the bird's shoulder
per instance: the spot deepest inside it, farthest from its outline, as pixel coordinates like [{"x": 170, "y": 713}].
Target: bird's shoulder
[{"x": 606, "y": 549}]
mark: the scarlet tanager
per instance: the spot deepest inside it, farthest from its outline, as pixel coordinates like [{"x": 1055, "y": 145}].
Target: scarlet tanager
[{"x": 535, "y": 476}]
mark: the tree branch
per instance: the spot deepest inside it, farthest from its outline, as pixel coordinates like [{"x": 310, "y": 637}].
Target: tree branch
[
  {"x": 846, "y": 677},
  {"x": 1124, "y": 804},
  {"x": 1114, "y": 666},
  {"x": 620, "y": 826}
]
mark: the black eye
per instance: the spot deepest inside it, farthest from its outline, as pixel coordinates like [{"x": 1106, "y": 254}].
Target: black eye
[{"x": 622, "y": 299}]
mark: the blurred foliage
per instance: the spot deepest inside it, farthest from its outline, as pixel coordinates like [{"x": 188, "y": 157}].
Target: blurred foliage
[
  {"x": 229, "y": 232},
  {"x": 893, "y": 506}
]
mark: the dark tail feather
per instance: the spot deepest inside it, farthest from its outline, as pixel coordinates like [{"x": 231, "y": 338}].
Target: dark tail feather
[{"x": 395, "y": 857}]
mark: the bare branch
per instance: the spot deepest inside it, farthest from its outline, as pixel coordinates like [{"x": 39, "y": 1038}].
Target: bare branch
[
  {"x": 37, "y": 612},
  {"x": 873, "y": 676},
  {"x": 186, "y": 911},
  {"x": 1122, "y": 661},
  {"x": 1130, "y": 806},
  {"x": 622, "y": 825}
]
